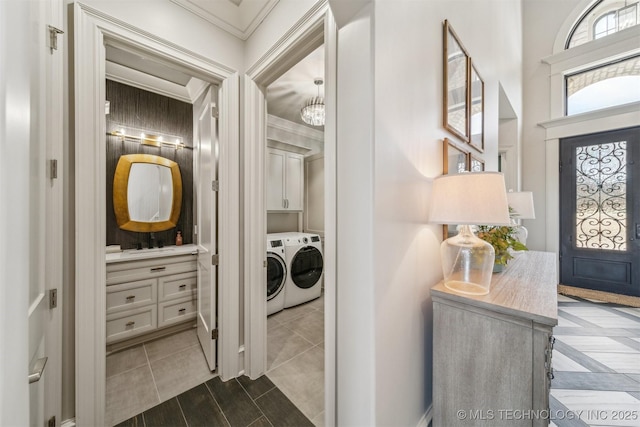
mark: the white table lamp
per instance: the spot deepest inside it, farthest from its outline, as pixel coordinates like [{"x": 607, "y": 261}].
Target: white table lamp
[
  {"x": 467, "y": 199},
  {"x": 521, "y": 204}
]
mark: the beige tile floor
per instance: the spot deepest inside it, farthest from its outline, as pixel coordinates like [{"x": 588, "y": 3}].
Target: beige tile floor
[
  {"x": 141, "y": 377},
  {"x": 295, "y": 356}
]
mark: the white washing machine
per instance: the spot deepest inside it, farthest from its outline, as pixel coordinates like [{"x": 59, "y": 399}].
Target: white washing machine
[
  {"x": 305, "y": 266},
  {"x": 276, "y": 273}
]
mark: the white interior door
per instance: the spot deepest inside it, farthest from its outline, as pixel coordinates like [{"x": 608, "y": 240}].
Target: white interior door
[
  {"x": 207, "y": 220},
  {"x": 45, "y": 214}
]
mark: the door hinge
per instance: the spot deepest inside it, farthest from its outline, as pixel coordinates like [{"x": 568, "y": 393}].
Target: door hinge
[
  {"x": 53, "y": 298},
  {"x": 53, "y": 37},
  {"x": 560, "y": 169},
  {"x": 264, "y": 263},
  {"x": 215, "y": 185},
  {"x": 214, "y": 334},
  {"x": 214, "y": 112},
  {"x": 215, "y": 259},
  {"x": 53, "y": 168},
  {"x": 52, "y": 422}
]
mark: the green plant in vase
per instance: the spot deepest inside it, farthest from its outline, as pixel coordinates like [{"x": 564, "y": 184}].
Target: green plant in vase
[{"x": 502, "y": 238}]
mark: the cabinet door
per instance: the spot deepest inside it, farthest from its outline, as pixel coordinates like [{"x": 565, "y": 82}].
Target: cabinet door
[
  {"x": 294, "y": 178},
  {"x": 275, "y": 180}
]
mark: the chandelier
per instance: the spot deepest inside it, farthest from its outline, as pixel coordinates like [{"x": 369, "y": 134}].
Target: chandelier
[{"x": 313, "y": 111}]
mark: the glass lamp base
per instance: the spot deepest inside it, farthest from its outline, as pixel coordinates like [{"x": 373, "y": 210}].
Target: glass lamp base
[
  {"x": 466, "y": 288},
  {"x": 467, "y": 263}
]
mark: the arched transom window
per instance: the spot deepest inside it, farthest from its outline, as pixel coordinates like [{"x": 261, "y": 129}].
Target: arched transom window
[
  {"x": 612, "y": 82},
  {"x": 605, "y": 17}
]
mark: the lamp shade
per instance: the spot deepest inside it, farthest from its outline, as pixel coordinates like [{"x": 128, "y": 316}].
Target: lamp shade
[
  {"x": 521, "y": 204},
  {"x": 469, "y": 198}
]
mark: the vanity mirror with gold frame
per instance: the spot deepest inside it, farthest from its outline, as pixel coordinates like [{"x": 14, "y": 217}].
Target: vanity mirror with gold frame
[{"x": 147, "y": 193}]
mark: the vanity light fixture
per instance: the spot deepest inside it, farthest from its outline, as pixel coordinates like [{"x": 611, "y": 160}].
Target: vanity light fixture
[{"x": 146, "y": 138}]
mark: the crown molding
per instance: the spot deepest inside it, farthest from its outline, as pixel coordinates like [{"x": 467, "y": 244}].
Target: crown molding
[
  {"x": 238, "y": 20},
  {"x": 296, "y": 129}
]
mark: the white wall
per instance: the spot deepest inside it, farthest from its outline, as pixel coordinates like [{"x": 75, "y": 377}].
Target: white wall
[
  {"x": 389, "y": 149},
  {"x": 356, "y": 376},
  {"x": 171, "y": 22},
  {"x": 543, "y": 19}
]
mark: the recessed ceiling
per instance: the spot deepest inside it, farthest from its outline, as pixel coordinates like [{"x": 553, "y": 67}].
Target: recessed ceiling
[
  {"x": 287, "y": 95},
  {"x": 238, "y": 17}
]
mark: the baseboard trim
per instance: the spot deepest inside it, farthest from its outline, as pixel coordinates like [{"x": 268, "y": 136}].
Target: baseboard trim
[{"x": 426, "y": 418}]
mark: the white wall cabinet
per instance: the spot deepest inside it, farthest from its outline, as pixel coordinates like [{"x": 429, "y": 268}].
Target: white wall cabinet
[
  {"x": 285, "y": 180},
  {"x": 146, "y": 295}
]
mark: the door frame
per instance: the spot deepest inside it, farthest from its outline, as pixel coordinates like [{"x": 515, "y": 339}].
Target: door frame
[
  {"x": 91, "y": 29},
  {"x": 568, "y": 183},
  {"x": 316, "y": 27},
  {"x": 581, "y": 124}
]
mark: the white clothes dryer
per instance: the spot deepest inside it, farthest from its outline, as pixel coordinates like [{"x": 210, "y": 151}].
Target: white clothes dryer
[
  {"x": 305, "y": 267},
  {"x": 276, "y": 274}
]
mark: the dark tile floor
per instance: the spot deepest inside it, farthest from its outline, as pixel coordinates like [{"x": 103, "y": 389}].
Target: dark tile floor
[{"x": 238, "y": 402}]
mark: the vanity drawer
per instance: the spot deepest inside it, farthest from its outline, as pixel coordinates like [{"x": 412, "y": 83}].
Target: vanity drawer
[
  {"x": 130, "y": 323},
  {"x": 176, "y": 311},
  {"x": 177, "y": 286},
  {"x": 131, "y": 295},
  {"x": 138, "y": 270}
]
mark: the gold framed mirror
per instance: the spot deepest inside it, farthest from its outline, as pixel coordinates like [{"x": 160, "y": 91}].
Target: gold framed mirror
[{"x": 147, "y": 193}]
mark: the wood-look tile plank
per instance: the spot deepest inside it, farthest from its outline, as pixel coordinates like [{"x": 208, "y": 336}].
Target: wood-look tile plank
[
  {"x": 256, "y": 388},
  {"x": 166, "y": 414},
  {"x": 137, "y": 421},
  {"x": 236, "y": 405},
  {"x": 581, "y": 358},
  {"x": 594, "y": 381},
  {"x": 280, "y": 411},
  {"x": 262, "y": 422},
  {"x": 562, "y": 416},
  {"x": 200, "y": 408}
]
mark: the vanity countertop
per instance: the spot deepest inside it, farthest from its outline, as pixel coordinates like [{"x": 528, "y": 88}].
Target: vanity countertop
[{"x": 135, "y": 254}]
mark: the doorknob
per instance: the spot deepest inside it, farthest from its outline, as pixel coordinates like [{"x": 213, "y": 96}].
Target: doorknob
[{"x": 36, "y": 373}]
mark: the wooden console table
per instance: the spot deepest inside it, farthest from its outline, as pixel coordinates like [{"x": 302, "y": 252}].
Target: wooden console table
[{"x": 492, "y": 353}]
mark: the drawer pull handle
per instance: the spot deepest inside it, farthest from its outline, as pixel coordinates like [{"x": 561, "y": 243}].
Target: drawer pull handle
[
  {"x": 131, "y": 297},
  {"x": 158, "y": 269},
  {"x": 182, "y": 310},
  {"x": 130, "y": 323},
  {"x": 182, "y": 286}
]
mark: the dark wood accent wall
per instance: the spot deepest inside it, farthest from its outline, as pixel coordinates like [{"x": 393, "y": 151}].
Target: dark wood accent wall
[{"x": 148, "y": 111}]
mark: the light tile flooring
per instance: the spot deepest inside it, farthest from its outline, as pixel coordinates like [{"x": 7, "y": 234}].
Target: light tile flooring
[
  {"x": 141, "y": 377},
  {"x": 295, "y": 356},
  {"x": 596, "y": 361}
]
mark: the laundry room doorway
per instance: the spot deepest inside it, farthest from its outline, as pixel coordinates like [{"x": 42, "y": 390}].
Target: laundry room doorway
[{"x": 290, "y": 210}]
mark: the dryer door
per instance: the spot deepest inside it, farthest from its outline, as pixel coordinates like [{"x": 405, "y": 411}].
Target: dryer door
[
  {"x": 276, "y": 275},
  {"x": 306, "y": 267}
]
